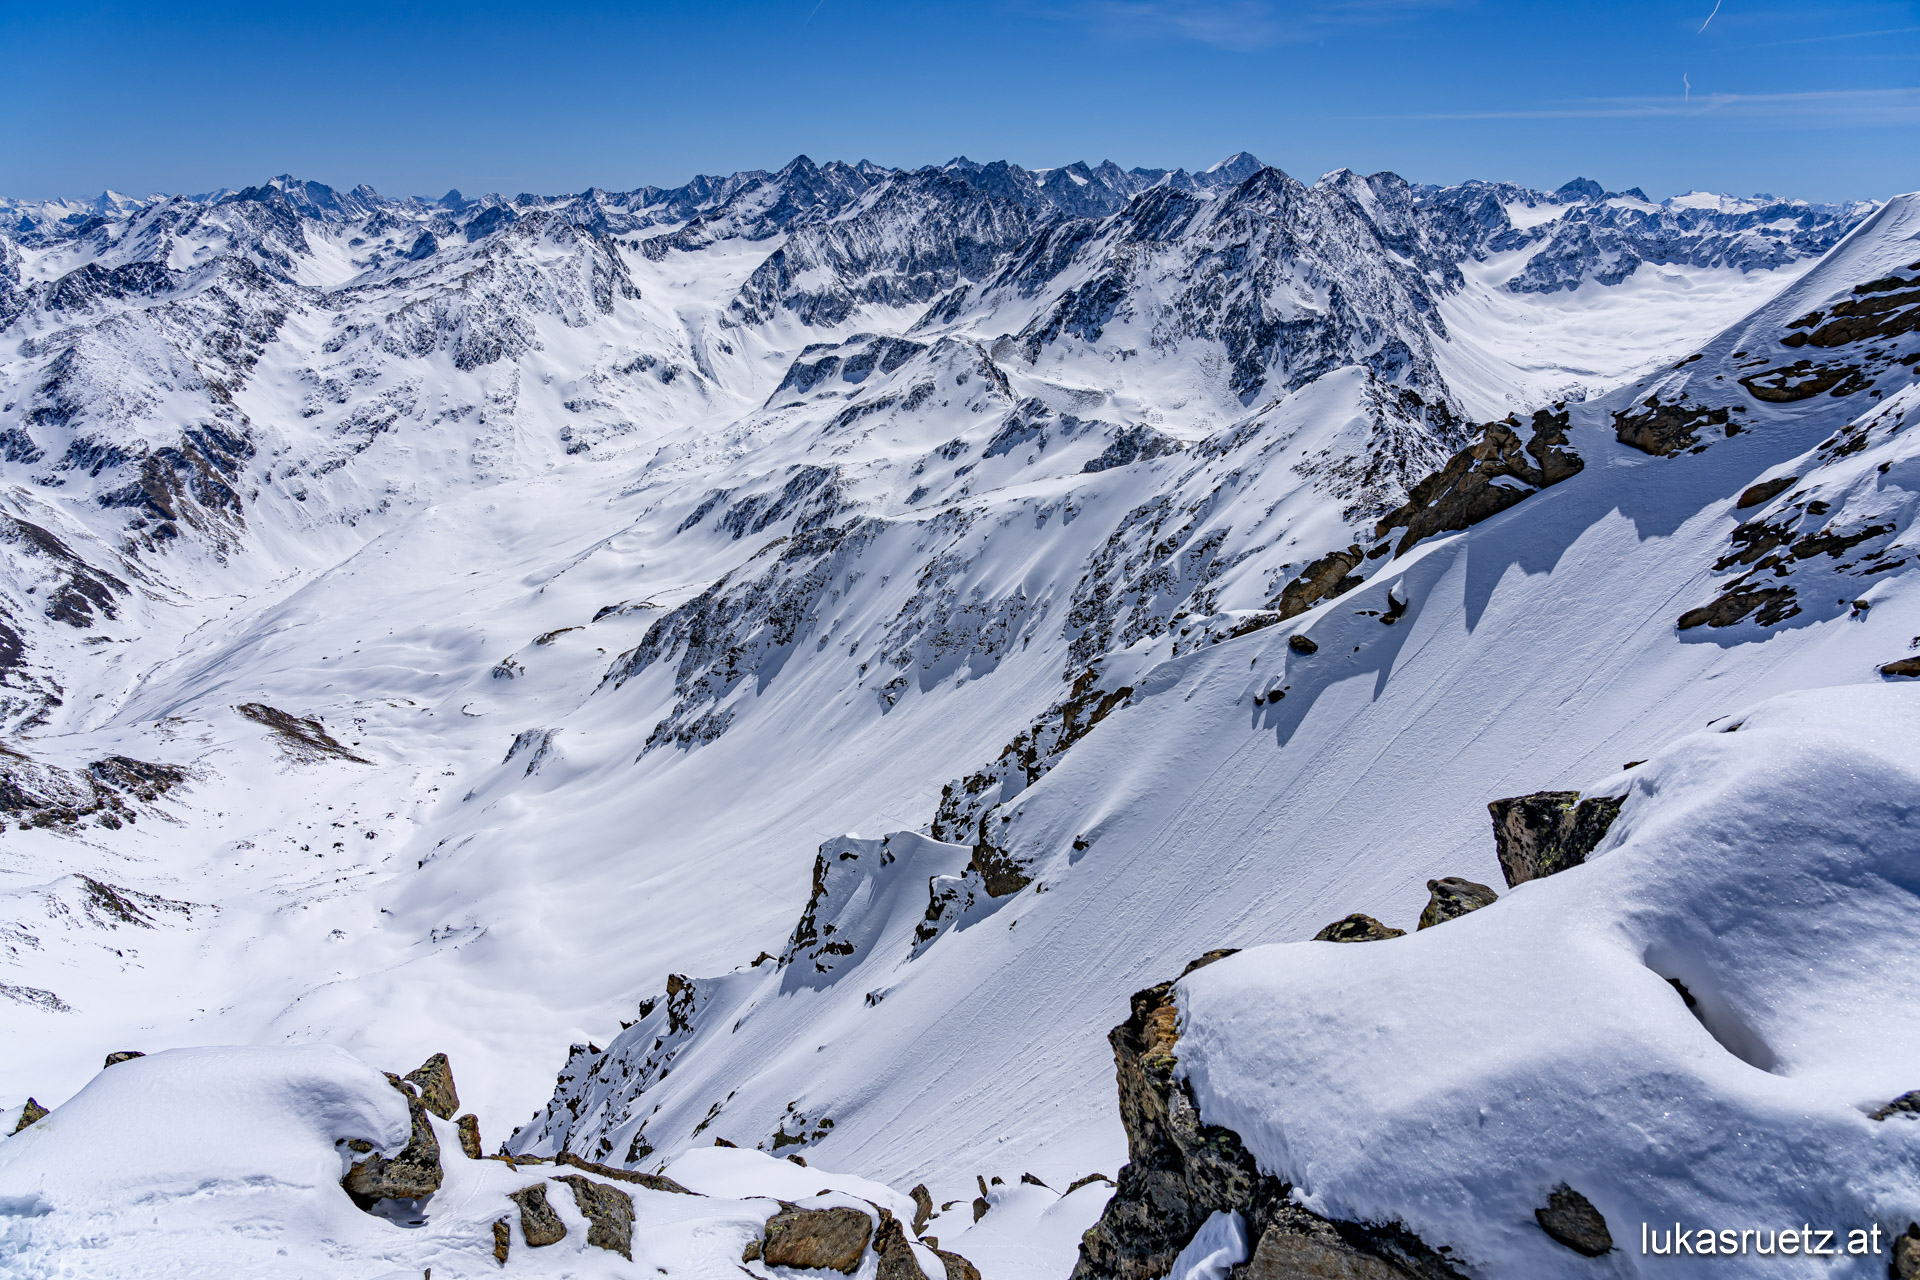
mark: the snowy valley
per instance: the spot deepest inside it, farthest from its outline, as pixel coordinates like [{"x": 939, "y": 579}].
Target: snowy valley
[{"x": 803, "y": 658}]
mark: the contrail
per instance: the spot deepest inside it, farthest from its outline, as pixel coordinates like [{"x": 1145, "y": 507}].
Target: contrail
[
  {"x": 816, "y": 9},
  {"x": 1716, "y": 9},
  {"x": 1686, "y": 85}
]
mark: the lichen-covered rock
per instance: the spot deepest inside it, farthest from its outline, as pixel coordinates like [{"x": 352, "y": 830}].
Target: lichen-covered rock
[
  {"x": 469, "y": 1126},
  {"x": 33, "y": 1114},
  {"x": 894, "y": 1253},
  {"x": 1906, "y": 1254},
  {"x": 119, "y": 1056},
  {"x": 1571, "y": 1219},
  {"x": 958, "y": 1268},
  {"x": 1180, "y": 1171},
  {"x": 502, "y": 1241},
  {"x": 1548, "y": 831},
  {"x": 608, "y": 1211},
  {"x": 1450, "y": 897},
  {"x": 414, "y": 1174},
  {"x": 817, "y": 1239},
  {"x": 1358, "y": 928},
  {"x": 539, "y": 1224},
  {"x": 435, "y": 1079}
]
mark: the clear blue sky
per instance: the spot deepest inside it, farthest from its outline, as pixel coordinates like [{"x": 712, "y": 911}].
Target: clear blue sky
[{"x": 1820, "y": 100}]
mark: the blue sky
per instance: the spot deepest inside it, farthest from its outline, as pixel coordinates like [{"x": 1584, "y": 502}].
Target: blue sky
[{"x": 1809, "y": 99}]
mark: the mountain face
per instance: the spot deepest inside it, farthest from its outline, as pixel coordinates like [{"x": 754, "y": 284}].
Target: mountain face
[{"x": 828, "y": 636}]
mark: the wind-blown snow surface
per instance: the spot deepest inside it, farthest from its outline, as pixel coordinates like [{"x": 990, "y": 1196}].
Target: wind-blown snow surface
[{"x": 637, "y": 545}]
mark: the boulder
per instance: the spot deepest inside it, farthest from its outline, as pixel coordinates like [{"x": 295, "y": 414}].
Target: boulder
[
  {"x": 922, "y": 1207},
  {"x": 1548, "y": 831},
  {"x": 1315, "y": 1251},
  {"x": 1450, "y": 897},
  {"x": 470, "y": 1135},
  {"x": 895, "y": 1254},
  {"x": 1302, "y": 644},
  {"x": 414, "y": 1174},
  {"x": 817, "y": 1239},
  {"x": 33, "y": 1113},
  {"x": 502, "y": 1241},
  {"x": 539, "y": 1224},
  {"x": 1906, "y": 1254},
  {"x": 119, "y": 1056},
  {"x": 1358, "y": 928},
  {"x": 958, "y": 1268},
  {"x": 1901, "y": 667},
  {"x": 608, "y": 1211},
  {"x": 435, "y": 1078},
  {"x": 1571, "y": 1219},
  {"x": 1906, "y": 1104}
]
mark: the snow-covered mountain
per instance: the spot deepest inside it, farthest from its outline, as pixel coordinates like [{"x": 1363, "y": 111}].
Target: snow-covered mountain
[{"x": 708, "y": 623}]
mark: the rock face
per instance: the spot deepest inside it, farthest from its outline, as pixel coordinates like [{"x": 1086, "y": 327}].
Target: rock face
[
  {"x": 435, "y": 1080},
  {"x": 1180, "y": 1171},
  {"x": 1571, "y": 1219},
  {"x": 1536, "y": 835},
  {"x": 414, "y": 1174},
  {"x": 1358, "y": 928},
  {"x": 1486, "y": 478},
  {"x": 608, "y": 1211},
  {"x": 817, "y": 1239},
  {"x": 539, "y": 1224},
  {"x": 1451, "y": 897}
]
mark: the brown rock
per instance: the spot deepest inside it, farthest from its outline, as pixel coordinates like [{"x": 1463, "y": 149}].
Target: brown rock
[
  {"x": 980, "y": 1206},
  {"x": 119, "y": 1056},
  {"x": 33, "y": 1114},
  {"x": 958, "y": 1268},
  {"x": 1317, "y": 1255},
  {"x": 1902, "y": 667},
  {"x": 539, "y": 1224},
  {"x": 1571, "y": 1219},
  {"x": 1765, "y": 490},
  {"x": 1302, "y": 644},
  {"x": 1906, "y": 1254},
  {"x": 1078, "y": 1183},
  {"x": 608, "y": 1211},
  {"x": 502, "y": 1241},
  {"x": 1548, "y": 831},
  {"x": 1664, "y": 429},
  {"x": 817, "y": 1239},
  {"x": 414, "y": 1174},
  {"x": 1329, "y": 576},
  {"x": 922, "y": 1207},
  {"x": 435, "y": 1078},
  {"x": 896, "y": 1255},
  {"x": 752, "y": 1252},
  {"x": 470, "y": 1135},
  {"x": 651, "y": 1181},
  {"x": 1451, "y": 897},
  {"x": 1358, "y": 928},
  {"x": 1906, "y": 1104}
]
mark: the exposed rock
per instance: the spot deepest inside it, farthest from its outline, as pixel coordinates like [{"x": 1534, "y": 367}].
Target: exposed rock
[
  {"x": 1901, "y": 667},
  {"x": 1906, "y": 1254},
  {"x": 414, "y": 1174},
  {"x": 1485, "y": 478},
  {"x": 1358, "y": 928},
  {"x": 1088, "y": 1180},
  {"x": 1664, "y": 429},
  {"x": 1571, "y": 1219},
  {"x": 33, "y": 1114},
  {"x": 752, "y": 1252},
  {"x": 895, "y": 1254},
  {"x": 1180, "y": 1171},
  {"x": 1906, "y": 1104},
  {"x": 122, "y": 1055},
  {"x": 502, "y": 1241},
  {"x": 980, "y": 1206},
  {"x": 1769, "y": 604},
  {"x": 651, "y": 1181},
  {"x": 470, "y": 1136},
  {"x": 1451, "y": 897},
  {"x": 958, "y": 1268},
  {"x": 306, "y": 740},
  {"x": 1548, "y": 831},
  {"x": 608, "y": 1211},
  {"x": 1329, "y": 576},
  {"x": 539, "y": 1224},
  {"x": 817, "y": 1239},
  {"x": 1302, "y": 644},
  {"x": 1765, "y": 491},
  {"x": 1803, "y": 380},
  {"x": 922, "y": 1207},
  {"x": 435, "y": 1080}
]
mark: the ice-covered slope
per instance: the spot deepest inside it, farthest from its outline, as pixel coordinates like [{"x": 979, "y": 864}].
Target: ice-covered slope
[{"x": 526, "y": 589}]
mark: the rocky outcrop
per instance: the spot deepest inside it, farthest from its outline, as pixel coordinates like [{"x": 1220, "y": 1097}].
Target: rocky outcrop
[
  {"x": 922, "y": 1207},
  {"x": 817, "y": 1239},
  {"x": 1571, "y": 1219},
  {"x": 539, "y": 1224},
  {"x": 119, "y": 1056},
  {"x": 608, "y": 1211},
  {"x": 32, "y": 1114},
  {"x": 469, "y": 1126},
  {"x": 1451, "y": 897},
  {"x": 1548, "y": 831},
  {"x": 651, "y": 1181},
  {"x": 1329, "y": 576},
  {"x": 303, "y": 738},
  {"x": 1358, "y": 928},
  {"x": 107, "y": 792},
  {"x": 1180, "y": 1171},
  {"x": 434, "y": 1078},
  {"x": 1906, "y": 667},
  {"x": 502, "y": 1241},
  {"x": 1486, "y": 478},
  {"x": 414, "y": 1174},
  {"x": 1666, "y": 429}
]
